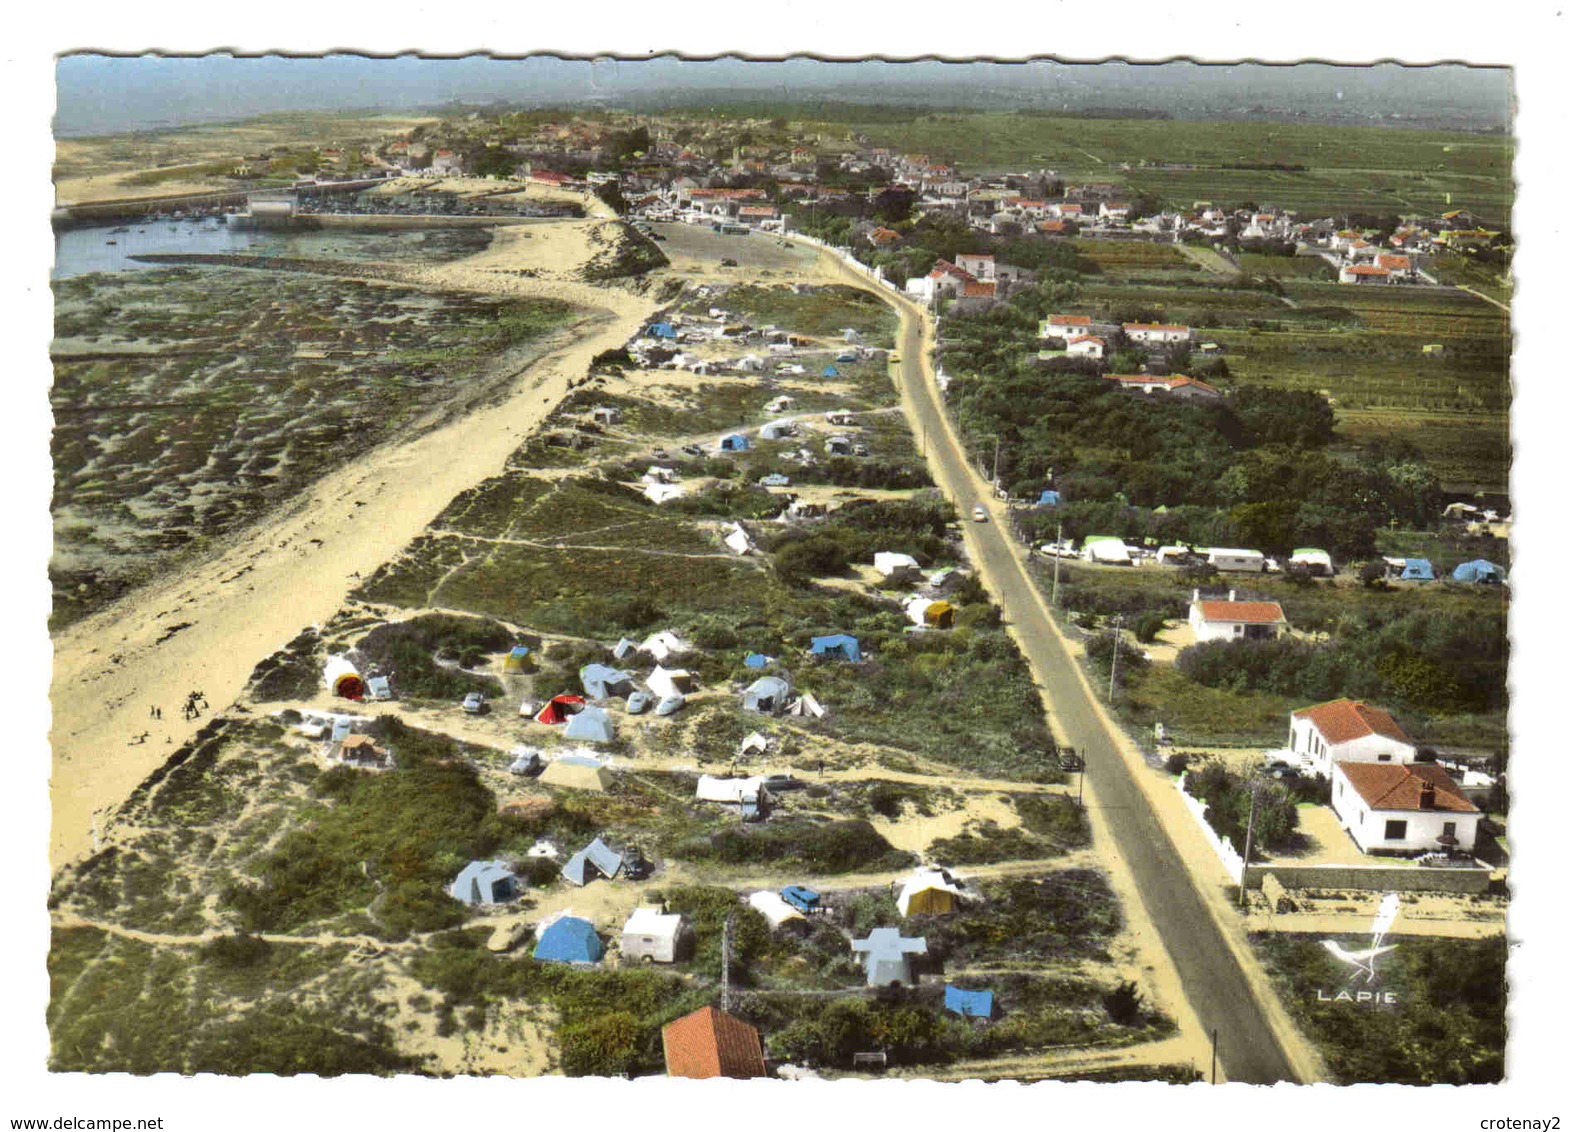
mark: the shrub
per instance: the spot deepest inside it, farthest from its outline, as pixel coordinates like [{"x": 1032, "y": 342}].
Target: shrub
[
  {"x": 1123, "y": 1004},
  {"x": 1148, "y": 625}
]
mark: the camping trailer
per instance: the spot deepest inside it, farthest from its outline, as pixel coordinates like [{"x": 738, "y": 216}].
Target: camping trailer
[{"x": 1237, "y": 561}]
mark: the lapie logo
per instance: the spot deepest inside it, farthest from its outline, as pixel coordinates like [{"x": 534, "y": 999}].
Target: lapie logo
[{"x": 1362, "y": 961}]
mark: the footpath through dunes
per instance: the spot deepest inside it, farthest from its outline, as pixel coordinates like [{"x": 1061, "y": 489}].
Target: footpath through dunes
[{"x": 205, "y": 627}]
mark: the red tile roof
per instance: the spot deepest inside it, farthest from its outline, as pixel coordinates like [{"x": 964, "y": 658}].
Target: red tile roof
[
  {"x": 1249, "y": 612},
  {"x": 975, "y": 289},
  {"x": 1051, "y": 226},
  {"x": 709, "y": 1043},
  {"x": 1087, "y": 338},
  {"x": 1365, "y": 269},
  {"x": 1153, "y": 326},
  {"x": 1393, "y": 262},
  {"x": 1069, "y": 320},
  {"x": 1395, "y": 786},
  {"x": 1342, "y": 721}
]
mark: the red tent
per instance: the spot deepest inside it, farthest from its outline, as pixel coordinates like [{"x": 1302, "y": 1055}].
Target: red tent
[{"x": 559, "y": 708}]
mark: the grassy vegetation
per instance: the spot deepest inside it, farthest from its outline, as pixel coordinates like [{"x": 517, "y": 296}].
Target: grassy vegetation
[
  {"x": 164, "y": 441},
  {"x": 429, "y": 654},
  {"x": 119, "y": 1005},
  {"x": 1447, "y": 1026},
  {"x": 816, "y": 312}
]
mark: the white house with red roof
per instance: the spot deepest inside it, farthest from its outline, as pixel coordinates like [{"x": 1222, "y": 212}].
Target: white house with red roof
[
  {"x": 1087, "y": 346},
  {"x": 1400, "y": 266},
  {"x": 980, "y": 266},
  {"x": 1347, "y": 731},
  {"x": 946, "y": 280},
  {"x": 1402, "y": 808},
  {"x": 1233, "y": 620},
  {"x": 1064, "y": 326},
  {"x": 1364, "y": 273},
  {"x": 447, "y": 163},
  {"x": 1113, "y": 210}
]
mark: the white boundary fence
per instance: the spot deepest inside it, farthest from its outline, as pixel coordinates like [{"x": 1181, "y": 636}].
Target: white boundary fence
[{"x": 1232, "y": 861}]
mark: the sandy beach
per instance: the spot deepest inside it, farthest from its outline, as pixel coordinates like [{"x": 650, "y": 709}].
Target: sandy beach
[{"x": 294, "y": 568}]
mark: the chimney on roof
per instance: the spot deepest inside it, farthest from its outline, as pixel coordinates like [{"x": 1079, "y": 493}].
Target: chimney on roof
[{"x": 1426, "y": 796}]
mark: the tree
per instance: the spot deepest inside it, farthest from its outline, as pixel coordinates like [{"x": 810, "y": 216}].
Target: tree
[
  {"x": 1123, "y": 1004},
  {"x": 605, "y": 1045}
]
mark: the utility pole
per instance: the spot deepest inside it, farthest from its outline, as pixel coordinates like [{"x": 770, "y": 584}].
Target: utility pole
[
  {"x": 1249, "y": 842},
  {"x": 725, "y": 966},
  {"x": 1080, "y": 797},
  {"x": 995, "y": 467},
  {"x": 1118, "y": 639},
  {"x": 1058, "y": 550},
  {"x": 1213, "y": 1055}
]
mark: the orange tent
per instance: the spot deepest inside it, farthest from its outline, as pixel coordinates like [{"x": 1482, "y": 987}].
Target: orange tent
[{"x": 559, "y": 708}]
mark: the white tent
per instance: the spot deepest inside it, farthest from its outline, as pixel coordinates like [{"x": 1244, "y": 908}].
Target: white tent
[
  {"x": 663, "y": 492},
  {"x": 775, "y": 430},
  {"x": 670, "y": 681},
  {"x": 658, "y": 474},
  {"x": 1105, "y": 551},
  {"x": 806, "y": 704},
  {"x": 773, "y": 908},
  {"x": 755, "y": 741},
  {"x": 738, "y": 539},
  {"x": 662, "y": 644},
  {"x": 927, "y": 881},
  {"x": 891, "y": 564},
  {"x": 731, "y": 791},
  {"x": 916, "y": 610},
  {"x": 652, "y": 935}
]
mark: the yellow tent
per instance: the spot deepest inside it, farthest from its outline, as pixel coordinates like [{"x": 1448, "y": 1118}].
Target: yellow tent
[
  {"x": 519, "y": 660},
  {"x": 940, "y": 615},
  {"x": 930, "y": 901}
]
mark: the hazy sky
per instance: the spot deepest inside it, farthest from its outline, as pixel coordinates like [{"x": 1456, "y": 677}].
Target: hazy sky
[{"x": 105, "y": 94}]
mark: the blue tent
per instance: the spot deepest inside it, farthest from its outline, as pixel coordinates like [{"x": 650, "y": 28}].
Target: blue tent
[
  {"x": 1480, "y": 571},
  {"x": 756, "y": 660},
  {"x": 766, "y": 694},
  {"x": 845, "y": 358},
  {"x": 1418, "y": 570},
  {"x": 569, "y": 940},
  {"x": 968, "y": 1003},
  {"x": 736, "y": 442},
  {"x": 662, "y": 330},
  {"x": 592, "y": 724},
  {"x": 1049, "y": 499},
  {"x": 484, "y": 882},
  {"x": 601, "y": 680},
  {"x": 831, "y": 371},
  {"x": 841, "y": 645}
]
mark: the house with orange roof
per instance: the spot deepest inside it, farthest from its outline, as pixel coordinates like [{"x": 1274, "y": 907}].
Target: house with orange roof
[
  {"x": 1347, "y": 731},
  {"x": 1052, "y": 227},
  {"x": 1233, "y": 620},
  {"x": 1364, "y": 273},
  {"x": 1400, "y": 266},
  {"x": 1064, "y": 326},
  {"x": 1178, "y": 385},
  {"x": 1403, "y": 809},
  {"x": 883, "y": 237},
  {"x": 1087, "y": 346},
  {"x": 711, "y": 1043}
]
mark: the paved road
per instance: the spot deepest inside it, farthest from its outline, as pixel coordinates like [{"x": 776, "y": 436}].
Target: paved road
[{"x": 1213, "y": 981}]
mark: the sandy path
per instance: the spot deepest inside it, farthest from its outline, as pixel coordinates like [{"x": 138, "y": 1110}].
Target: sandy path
[{"x": 295, "y": 568}]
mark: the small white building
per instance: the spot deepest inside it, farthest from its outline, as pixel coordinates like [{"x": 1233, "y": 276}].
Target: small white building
[
  {"x": 1065, "y": 326},
  {"x": 652, "y": 935},
  {"x": 1347, "y": 731},
  {"x": 1234, "y": 620},
  {"x": 981, "y": 266},
  {"x": 1086, "y": 346},
  {"x": 1156, "y": 333},
  {"x": 1403, "y": 809}
]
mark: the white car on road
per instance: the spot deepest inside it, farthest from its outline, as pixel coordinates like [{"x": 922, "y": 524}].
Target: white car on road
[{"x": 979, "y": 513}]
